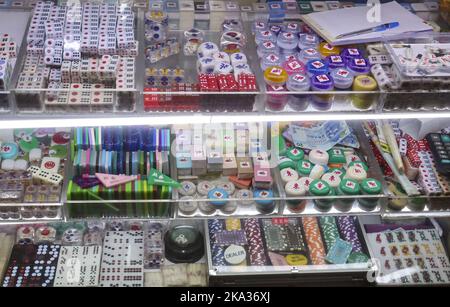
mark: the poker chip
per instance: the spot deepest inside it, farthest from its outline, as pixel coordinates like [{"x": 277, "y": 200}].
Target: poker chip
[
  {"x": 256, "y": 246},
  {"x": 244, "y": 197},
  {"x": 343, "y": 78},
  {"x": 295, "y": 188},
  {"x": 188, "y": 188},
  {"x": 332, "y": 179},
  {"x": 227, "y": 186},
  {"x": 317, "y": 156},
  {"x": 203, "y": 187},
  {"x": 275, "y": 76},
  {"x": 308, "y": 54},
  {"x": 314, "y": 240},
  {"x": 348, "y": 187},
  {"x": 61, "y": 138},
  {"x": 306, "y": 181},
  {"x": 285, "y": 162},
  {"x": 28, "y": 143},
  {"x": 218, "y": 197},
  {"x": 57, "y": 151},
  {"x": 296, "y": 260},
  {"x": 316, "y": 67},
  {"x": 263, "y": 200},
  {"x": 370, "y": 186},
  {"x": 326, "y": 49},
  {"x": 317, "y": 171},
  {"x": 288, "y": 174},
  {"x": 9, "y": 151},
  {"x": 357, "y": 258},
  {"x": 308, "y": 41},
  {"x": 330, "y": 230},
  {"x": 359, "y": 164},
  {"x": 235, "y": 254},
  {"x": 304, "y": 168},
  {"x": 295, "y": 154},
  {"x": 359, "y": 66},
  {"x": 232, "y": 224},
  {"x": 335, "y": 61},
  {"x": 229, "y": 208},
  {"x": 187, "y": 206},
  {"x": 205, "y": 207},
  {"x": 338, "y": 172},
  {"x": 348, "y": 231},
  {"x": 355, "y": 173}
]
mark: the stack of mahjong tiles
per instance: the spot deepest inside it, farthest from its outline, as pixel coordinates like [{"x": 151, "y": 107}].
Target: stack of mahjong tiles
[
  {"x": 340, "y": 171},
  {"x": 116, "y": 164},
  {"x": 286, "y": 242},
  {"x": 79, "y": 51},
  {"x": 419, "y": 168},
  {"x": 225, "y": 168},
  {"x": 32, "y": 168}
]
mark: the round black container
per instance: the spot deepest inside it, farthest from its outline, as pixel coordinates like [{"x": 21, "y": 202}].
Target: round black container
[{"x": 184, "y": 244}]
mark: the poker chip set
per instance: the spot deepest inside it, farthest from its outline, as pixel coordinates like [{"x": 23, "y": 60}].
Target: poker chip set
[
  {"x": 116, "y": 164},
  {"x": 420, "y": 169},
  {"x": 284, "y": 242},
  {"x": 78, "y": 52},
  {"x": 415, "y": 249},
  {"x": 339, "y": 171},
  {"x": 32, "y": 168}
]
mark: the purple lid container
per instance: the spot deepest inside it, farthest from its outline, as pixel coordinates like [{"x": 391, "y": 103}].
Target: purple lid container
[
  {"x": 335, "y": 61},
  {"x": 322, "y": 82},
  {"x": 350, "y": 53},
  {"x": 359, "y": 66}
]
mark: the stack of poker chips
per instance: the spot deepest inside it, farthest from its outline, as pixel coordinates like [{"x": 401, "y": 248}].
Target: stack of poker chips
[
  {"x": 329, "y": 230},
  {"x": 348, "y": 230},
  {"x": 217, "y": 251},
  {"x": 256, "y": 245},
  {"x": 314, "y": 240}
]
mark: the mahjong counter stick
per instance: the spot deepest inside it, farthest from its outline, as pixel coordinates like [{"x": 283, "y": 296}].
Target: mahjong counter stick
[
  {"x": 409, "y": 188},
  {"x": 392, "y": 142}
]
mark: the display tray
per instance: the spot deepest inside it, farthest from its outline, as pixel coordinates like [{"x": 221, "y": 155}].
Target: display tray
[
  {"x": 168, "y": 100},
  {"x": 242, "y": 209},
  {"x": 253, "y": 258},
  {"x": 68, "y": 69},
  {"x": 354, "y": 207},
  {"x": 406, "y": 252}
]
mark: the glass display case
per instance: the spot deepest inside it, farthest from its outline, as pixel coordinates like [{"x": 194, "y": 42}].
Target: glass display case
[{"x": 225, "y": 140}]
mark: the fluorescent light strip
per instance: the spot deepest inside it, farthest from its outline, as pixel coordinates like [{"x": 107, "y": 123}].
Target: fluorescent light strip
[{"x": 204, "y": 119}]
